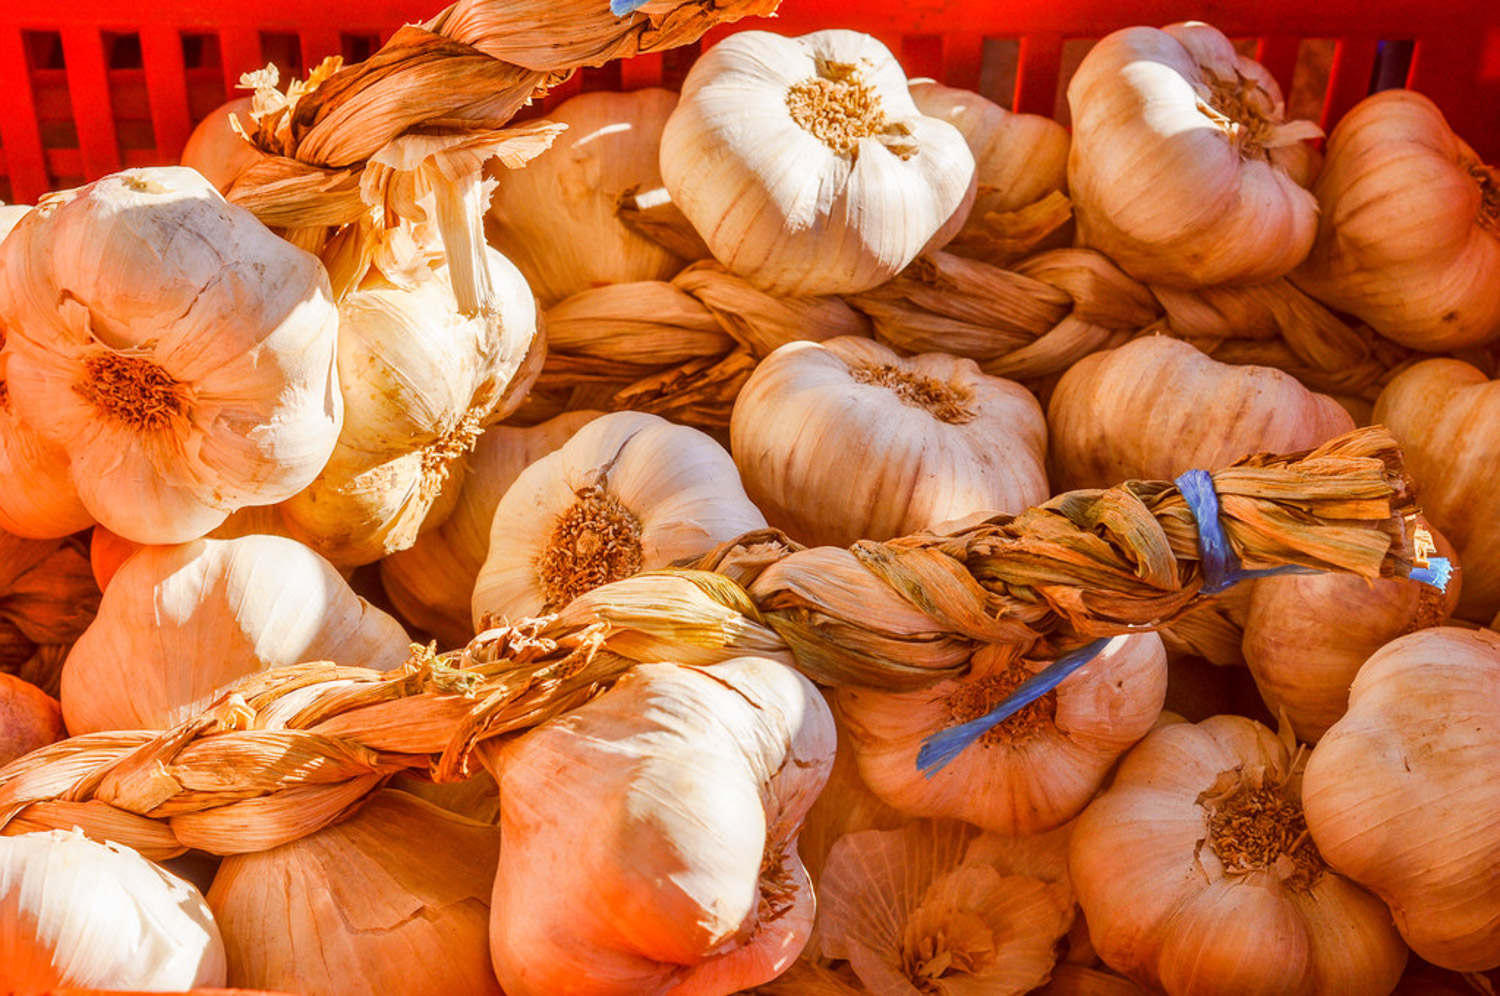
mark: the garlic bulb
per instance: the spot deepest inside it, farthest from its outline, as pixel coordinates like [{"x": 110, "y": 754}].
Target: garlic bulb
[
  {"x": 216, "y": 149},
  {"x": 1401, "y": 794},
  {"x": 1021, "y": 171},
  {"x": 648, "y": 839},
  {"x": 47, "y": 599},
  {"x": 77, "y": 913},
  {"x": 557, "y": 218},
  {"x": 29, "y": 718},
  {"x": 846, "y": 805},
  {"x": 1075, "y": 980},
  {"x": 1183, "y": 168},
  {"x": 1035, "y": 771},
  {"x": 36, "y": 496},
  {"x": 1443, "y": 413},
  {"x": 176, "y": 352},
  {"x": 938, "y": 907},
  {"x": 629, "y": 492},
  {"x": 419, "y": 382},
  {"x": 1156, "y": 407},
  {"x": 1409, "y": 233},
  {"x": 805, "y": 165},
  {"x": 432, "y": 583},
  {"x": 919, "y": 441},
  {"x": 178, "y": 623},
  {"x": 394, "y": 899},
  {"x": 1196, "y": 874},
  {"x": 1307, "y": 635}
]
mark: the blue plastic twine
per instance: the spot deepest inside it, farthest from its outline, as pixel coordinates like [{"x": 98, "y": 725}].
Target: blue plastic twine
[
  {"x": 1221, "y": 570},
  {"x": 620, "y": 8},
  {"x": 1221, "y": 566},
  {"x": 944, "y": 745}
]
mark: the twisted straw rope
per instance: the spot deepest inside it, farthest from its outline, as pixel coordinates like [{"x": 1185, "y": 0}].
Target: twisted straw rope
[{"x": 285, "y": 752}]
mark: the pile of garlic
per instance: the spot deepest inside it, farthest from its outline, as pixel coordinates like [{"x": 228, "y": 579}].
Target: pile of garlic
[{"x": 806, "y": 294}]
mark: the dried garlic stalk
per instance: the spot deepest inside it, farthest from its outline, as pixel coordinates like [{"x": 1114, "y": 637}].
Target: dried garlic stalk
[
  {"x": 681, "y": 350},
  {"x": 352, "y": 153},
  {"x": 282, "y": 753}
]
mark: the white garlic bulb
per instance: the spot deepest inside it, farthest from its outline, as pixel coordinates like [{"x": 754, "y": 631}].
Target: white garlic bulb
[
  {"x": 420, "y": 381},
  {"x": 78, "y": 913},
  {"x": 173, "y": 350},
  {"x": 629, "y": 492},
  {"x": 557, "y": 219},
  {"x": 805, "y": 165},
  {"x": 178, "y": 623}
]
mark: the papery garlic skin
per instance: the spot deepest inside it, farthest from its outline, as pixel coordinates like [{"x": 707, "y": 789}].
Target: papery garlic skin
[
  {"x": 936, "y": 906},
  {"x": 1401, "y": 794},
  {"x": 393, "y": 899},
  {"x": 432, "y": 583},
  {"x": 1182, "y": 169},
  {"x": 1194, "y": 877},
  {"x": 1307, "y": 635},
  {"x": 557, "y": 218},
  {"x": 1034, "y": 772},
  {"x": 648, "y": 838},
  {"x": 1409, "y": 232},
  {"x": 628, "y": 492},
  {"x": 1443, "y": 413},
  {"x": 1157, "y": 406},
  {"x": 845, "y": 440},
  {"x": 176, "y": 350},
  {"x": 78, "y": 913},
  {"x": 799, "y": 214},
  {"x": 178, "y": 623},
  {"x": 419, "y": 381}
]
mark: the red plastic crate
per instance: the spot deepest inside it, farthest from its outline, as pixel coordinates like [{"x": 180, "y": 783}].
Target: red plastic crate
[{"x": 92, "y": 86}]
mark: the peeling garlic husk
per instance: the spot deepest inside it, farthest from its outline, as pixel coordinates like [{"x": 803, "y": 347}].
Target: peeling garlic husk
[
  {"x": 1020, "y": 168},
  {"x": 178, "y": 623},
  {"x": 557, "y": 219},
  {"x": 1409, "y": 229},
  {"x": 612, "y": 883},
  {"x": 1443, "y": 413},
  {"x": 1196, "y": 874},
  {"x": 78, "y": 913},
  {"x": 805, "y": 165},
  {"x": 432, "y": 583},
  {"x": 938, "y": 906},
  {"x": 628, "y": 492},
  {"x": 1183, "y": 168},
  {"x": 1156, "y": 407},
  {"x": 394, "y": 899},
  {"x": 1401, "y": 794},
  {"x": 420, "y": 381},
  {"x": 1076, "y": 980},
  {"x": 1035, "y": 771},
  {"x": 920, "y": 441},
  {"x": 177, "y": 352},
  {"x": 1306, "y": 636}
]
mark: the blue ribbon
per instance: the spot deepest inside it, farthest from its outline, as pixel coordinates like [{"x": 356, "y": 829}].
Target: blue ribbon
[{"x": 944, "y": 745}]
